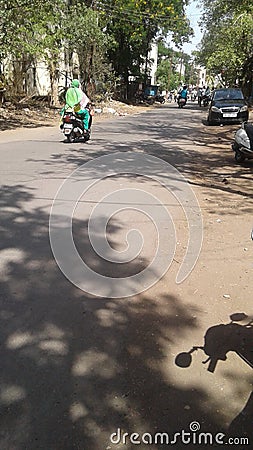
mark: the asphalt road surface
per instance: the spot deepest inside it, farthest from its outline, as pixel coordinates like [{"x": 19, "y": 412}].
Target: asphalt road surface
[{"x": 84, "y": 367}]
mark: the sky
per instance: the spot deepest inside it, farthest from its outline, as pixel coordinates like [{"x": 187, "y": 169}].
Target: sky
[{"x": 193, "y": 12}]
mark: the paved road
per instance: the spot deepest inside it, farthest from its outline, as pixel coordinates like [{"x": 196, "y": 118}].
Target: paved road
[{"x": 76, "y": 368}]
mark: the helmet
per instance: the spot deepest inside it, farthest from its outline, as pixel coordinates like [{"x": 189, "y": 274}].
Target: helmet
[
  {"x": 77, "y": 107},
  {"x": 75, "y": 83}
]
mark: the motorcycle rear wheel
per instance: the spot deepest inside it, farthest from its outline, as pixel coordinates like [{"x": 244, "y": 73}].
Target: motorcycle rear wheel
[{"x": 71, "y": 137}]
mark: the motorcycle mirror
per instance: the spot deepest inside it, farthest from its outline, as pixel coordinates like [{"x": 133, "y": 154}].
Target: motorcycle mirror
[
  {"x": 238, "y": 317},
  {"x": 183, "y": 359}
]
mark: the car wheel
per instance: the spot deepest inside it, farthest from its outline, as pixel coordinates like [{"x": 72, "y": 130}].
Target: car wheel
[
  {"x": 209, "y": 121},
  {"x": 235, "y": 147},
  {"x": 239, "y": 157}
]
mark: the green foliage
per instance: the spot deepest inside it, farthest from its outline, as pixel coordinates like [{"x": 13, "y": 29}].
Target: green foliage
[
  {"x": 169, "y": 61},
  {"x": 84, "y": 36},
  {"x": 133, "y": 24},
  {"x": 30, "y": 26},
  {"x": 111, "y": 38},
  {"x": 167, "y": 78},
  {"x": 227, "y": 46}
]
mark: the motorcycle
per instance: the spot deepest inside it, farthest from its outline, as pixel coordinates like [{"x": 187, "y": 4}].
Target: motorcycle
[
  {"x": 243, "y": 142},
  {"x": 221, "y": 339},
  {"x": 144, "y": 98},
  {"x": 181, "y": 102},
  {"x": 160, "y": 99},
  {"x": 193, "y": 96},
  {"x": 206, "y": 99},
  {"x": 72, "y": 126}
]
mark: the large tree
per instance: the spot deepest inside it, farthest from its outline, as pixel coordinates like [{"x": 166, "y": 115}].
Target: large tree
[
  {"x": 121, "y": 29},
  {"x": 133, "y": 25},
  {"x": 32, "y": 30},
  {"x": 227, "y": 45},
  {"x": 84, "y": 36}
]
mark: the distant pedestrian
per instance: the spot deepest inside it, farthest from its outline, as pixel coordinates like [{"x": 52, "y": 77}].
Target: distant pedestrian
[{"x": 200, "y": 95}]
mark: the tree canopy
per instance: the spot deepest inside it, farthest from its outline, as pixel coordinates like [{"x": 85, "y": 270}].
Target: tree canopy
[
  {"x": 227, "y": 45},
  {"x": 108, "y": 35}
]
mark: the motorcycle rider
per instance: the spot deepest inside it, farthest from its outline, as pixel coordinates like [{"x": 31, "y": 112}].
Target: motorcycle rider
[
  {"x": 206, "y": 95},
  {"x": 183, "y": 93},
  {"x": 77, "y": 99},
  {"x": 193, "y": 94},
  {"x": 199, "y": 95}
]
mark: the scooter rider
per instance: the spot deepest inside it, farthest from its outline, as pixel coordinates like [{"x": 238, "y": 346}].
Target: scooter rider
[
  {"x": 78, "y": 100},
  {"x": 183, "y": 93}
]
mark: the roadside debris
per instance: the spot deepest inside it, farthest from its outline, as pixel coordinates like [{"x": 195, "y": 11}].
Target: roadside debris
[{"x": 40, "y": 114}]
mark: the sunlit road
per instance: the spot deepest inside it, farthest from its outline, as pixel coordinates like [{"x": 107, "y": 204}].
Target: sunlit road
[{"x": 85, "y": 372}]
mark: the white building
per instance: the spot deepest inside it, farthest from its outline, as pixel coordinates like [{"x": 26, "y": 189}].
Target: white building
[
  {"x": 35, "y": 81},
  {"x": 180, "y": 68},
  {"x": 201, "y": 76},
  {"x": 153, "y": 58}
]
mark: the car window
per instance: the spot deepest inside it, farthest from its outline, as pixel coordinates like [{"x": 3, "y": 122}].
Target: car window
[{"x": 228, "y": 94}]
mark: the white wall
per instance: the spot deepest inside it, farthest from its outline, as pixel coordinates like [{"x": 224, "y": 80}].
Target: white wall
[
  {"x": 202, "y": 76},
  {"x": 153, "y": 55}
]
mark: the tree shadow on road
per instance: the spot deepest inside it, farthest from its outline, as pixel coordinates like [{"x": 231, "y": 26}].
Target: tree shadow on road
[{"x": 75, "y": 368}]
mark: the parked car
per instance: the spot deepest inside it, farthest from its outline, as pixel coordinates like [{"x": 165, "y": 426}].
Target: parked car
[{"x": 227, "y": 105}]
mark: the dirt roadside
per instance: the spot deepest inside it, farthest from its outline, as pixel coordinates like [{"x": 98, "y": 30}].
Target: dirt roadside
[{"x": 40, "y": 115}]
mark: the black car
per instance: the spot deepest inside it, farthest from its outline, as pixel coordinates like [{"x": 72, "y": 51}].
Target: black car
[{"x": 227, "y": 105}]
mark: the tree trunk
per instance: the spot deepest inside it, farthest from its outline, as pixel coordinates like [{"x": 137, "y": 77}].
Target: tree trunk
[
  {"x": 20, "y": 68},
  {"x": 54, "y": 82}
]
